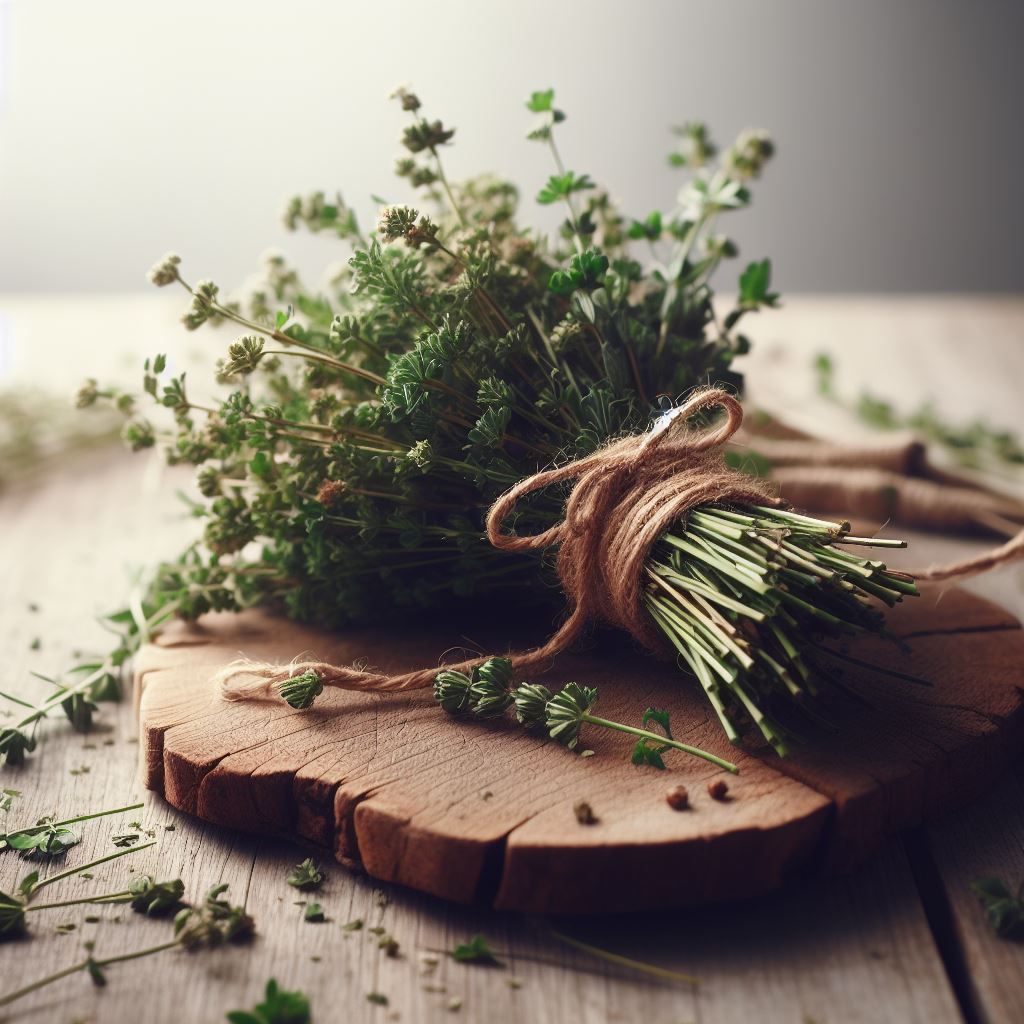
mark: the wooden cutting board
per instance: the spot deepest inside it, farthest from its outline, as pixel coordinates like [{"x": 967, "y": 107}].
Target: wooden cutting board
[{"x": 481, "y": 811}]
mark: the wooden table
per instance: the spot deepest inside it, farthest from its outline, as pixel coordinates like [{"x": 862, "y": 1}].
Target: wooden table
[{"x": 900, "y": 940}]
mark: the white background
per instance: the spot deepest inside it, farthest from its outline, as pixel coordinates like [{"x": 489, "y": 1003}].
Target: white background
[{"x": 130, "y": 127}]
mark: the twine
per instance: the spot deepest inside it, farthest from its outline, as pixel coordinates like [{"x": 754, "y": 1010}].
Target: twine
[{"x": 624, "y": 497}]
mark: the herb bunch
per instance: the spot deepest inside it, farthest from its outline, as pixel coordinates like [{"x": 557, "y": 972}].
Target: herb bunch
[{"x": 369, "y": 425}]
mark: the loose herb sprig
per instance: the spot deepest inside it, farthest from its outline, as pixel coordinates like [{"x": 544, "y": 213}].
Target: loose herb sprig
[
  {"x": 212, "y": 923},
  {"x": 47, "y": 832},
  {"x": 92, "y": 680},
  {"x": 144, "y": 894},
  {"x": 490, "y": 692},
  {"x": 973, "y": 445},
  {"x": 372, "y": 423}
]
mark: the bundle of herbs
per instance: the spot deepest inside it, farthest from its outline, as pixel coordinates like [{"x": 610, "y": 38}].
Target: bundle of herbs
[{"x": 369, "y": 426}]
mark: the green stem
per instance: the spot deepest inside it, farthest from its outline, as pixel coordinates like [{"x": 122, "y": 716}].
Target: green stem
[
  {"x": 573, "y": 219},
  {"x": 10, "y": 997},
  {"x": 42, "y": 883},
  {"x": 71, "y": 821},
  {"x": 335, "y": 364},
  {"x": 17, "y": 700},
  {"x": 624, "y": 961},
  {"x": 42, "y": 710},
  {"x": 112, "y": 897},
  {"x": 664, "y": 740},
  {"x": 447, "y": 188}
]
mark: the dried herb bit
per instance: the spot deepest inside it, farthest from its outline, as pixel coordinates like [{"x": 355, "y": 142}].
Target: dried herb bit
[
  {"x": 314, "y": 914},
  {"x": 353, "y": 926},
  {"x": 377, "y": 998},
  {"x": 584, "y": 813},
  {"x": 678, "y": 798},
  {"x": 278, "y": 1007},
  {"x": 153, "y": 898},
  {"x": 389, "y": 945},
  {"x": 1004, "y": 909},
  {"x": 475, "y": 951},
  {"x": 306, "y": 876},
  {"x": 126, "y": 839},
  {"x": 213, "y": 923},
  {"x": 718, "y": 789}
]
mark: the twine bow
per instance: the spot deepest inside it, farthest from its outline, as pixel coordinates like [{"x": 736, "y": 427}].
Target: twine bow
[{"x": 624, "y": 497}]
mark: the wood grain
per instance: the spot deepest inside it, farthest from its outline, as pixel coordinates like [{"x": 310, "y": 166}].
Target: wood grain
[{"x": 478, "y": 811}]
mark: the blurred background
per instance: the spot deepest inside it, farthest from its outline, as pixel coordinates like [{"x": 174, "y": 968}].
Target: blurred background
[
  {"x": 127, "y": 128},
  {"x": 891, "y": 212}
]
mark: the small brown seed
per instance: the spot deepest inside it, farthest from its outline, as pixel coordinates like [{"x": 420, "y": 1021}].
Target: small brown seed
[
  {"x": 678, "y": 798},
  {"x": 718, "y": 789},
  {"x": 584, "y": 813}
]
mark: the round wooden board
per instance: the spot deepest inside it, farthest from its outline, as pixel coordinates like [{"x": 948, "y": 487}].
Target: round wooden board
[{"x": 481, "y": 811}]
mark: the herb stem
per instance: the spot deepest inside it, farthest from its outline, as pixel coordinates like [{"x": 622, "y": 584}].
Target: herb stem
[
  {"x": 43, "y": 882},
  {"x": 664, "y": 740},
  {"x": 624, "y": 961},
  {"x": 25, "y": 990},
  {"x": 72, "y": 821},
  {"x": 108, "y": 898}
]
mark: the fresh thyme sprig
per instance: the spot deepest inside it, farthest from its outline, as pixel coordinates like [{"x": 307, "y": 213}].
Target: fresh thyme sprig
[{"x": 489, "y": 692}]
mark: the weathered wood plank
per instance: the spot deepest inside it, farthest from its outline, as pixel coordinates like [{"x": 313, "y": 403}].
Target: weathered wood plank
[
  {"x": 482, "y": 811},
  {"x": 852, "y": 949}
]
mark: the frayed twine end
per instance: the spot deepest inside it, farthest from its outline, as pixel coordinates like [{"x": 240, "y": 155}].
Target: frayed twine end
[{"x": 298, "y": 683}]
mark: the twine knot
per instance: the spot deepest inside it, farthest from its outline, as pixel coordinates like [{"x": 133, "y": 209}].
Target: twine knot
[{"x": 624, "y": 497}]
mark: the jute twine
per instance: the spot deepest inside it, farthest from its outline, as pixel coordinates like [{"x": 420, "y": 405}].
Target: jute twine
[{"x": 624, "y": 497}]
